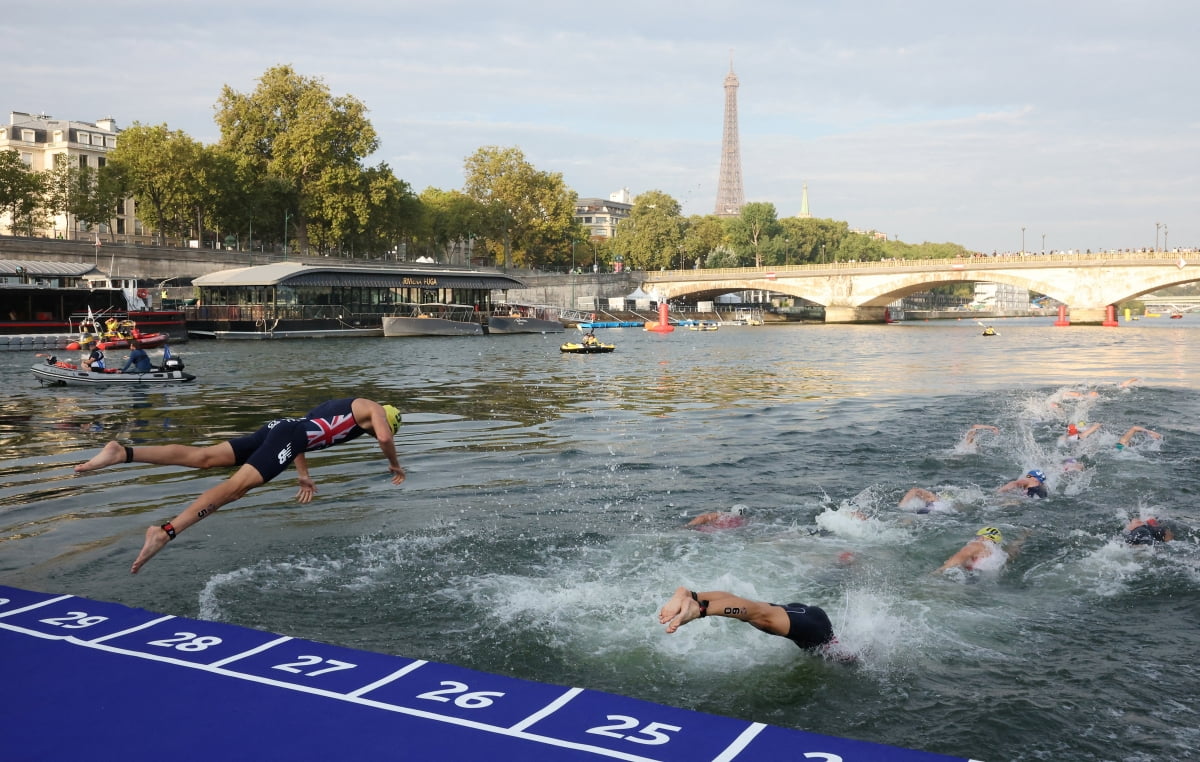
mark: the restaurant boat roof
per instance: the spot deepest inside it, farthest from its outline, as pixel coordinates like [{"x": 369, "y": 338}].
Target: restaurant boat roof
[{"x": 299, "y": 274}]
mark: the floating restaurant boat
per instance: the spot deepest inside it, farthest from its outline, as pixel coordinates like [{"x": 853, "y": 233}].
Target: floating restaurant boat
[
  {"x": 524, "y": 318},
  {"x": 294, "y": 300},
  {"x": 433, "y": 319},
  {"x": 53, "y": 299}
]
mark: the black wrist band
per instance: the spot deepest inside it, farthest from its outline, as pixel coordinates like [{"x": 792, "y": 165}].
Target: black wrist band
[{"x": 170, "y": 530}]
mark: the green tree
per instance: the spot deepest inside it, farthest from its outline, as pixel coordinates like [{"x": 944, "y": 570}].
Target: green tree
[
  {"x": 651, "y": 237},
  {"x": 164, "y": 172},
  {"x": 450, "y": 218},
  {"x": 292, "y": 129},
  {"x": 529, "y": 214},
  {"x": 702, "y": 235},
  {"x": 756, "y": 222},
  {"x": 22, "y": 193}
]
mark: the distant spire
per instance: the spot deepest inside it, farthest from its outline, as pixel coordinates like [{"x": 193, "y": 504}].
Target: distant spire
[
  {"x": 804, "y": 214},
  {"x": 730, "y": 196}
]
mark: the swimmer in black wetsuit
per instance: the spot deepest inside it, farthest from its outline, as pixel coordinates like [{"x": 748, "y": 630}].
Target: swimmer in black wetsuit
[
  {"x": 261, "y": 457},
  {"x": 806, "y": 626},
  {"x": 1147, "y": 532},
  {"x": 1032, "y": 483}
]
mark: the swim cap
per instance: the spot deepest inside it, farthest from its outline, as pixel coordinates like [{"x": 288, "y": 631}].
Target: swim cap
[
  {"x": 738, "y": 510},
  {"x": 393, "y": 417},
  {"x": 1072, "y": 430},
  {"x": 991, "y": 533},
  {"x": 1038, "y": 474}
]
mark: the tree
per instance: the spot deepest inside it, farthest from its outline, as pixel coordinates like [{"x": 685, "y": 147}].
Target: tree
[
  {"x": 529, "y": 213},
  {"x": 450, "y": 218},
  {"x": 756, "y": 222},
  {"x": 702, "y": 235},
  {"x": 292, "y": 129},
  {"x": 651, "y": 237},
  {"x": 164, "y": 172},
  {"x": 22, "y": 193}
]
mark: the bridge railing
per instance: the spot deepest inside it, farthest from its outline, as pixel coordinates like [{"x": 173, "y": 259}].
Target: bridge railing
[{"x": 993, "y": 262}]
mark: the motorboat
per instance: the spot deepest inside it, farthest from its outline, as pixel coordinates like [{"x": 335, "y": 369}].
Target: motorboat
[
  {"x": 524, "y": 318},
  {"x": 703, "y": 325},
  {"x": 575, "y": 347},
  {"x": 56, "y": 373},
  {"x": 432, "y": 319}
]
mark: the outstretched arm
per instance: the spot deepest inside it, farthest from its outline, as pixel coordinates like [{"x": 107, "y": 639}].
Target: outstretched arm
[
  {"x": 1127, "y": 437},
  {"x": 683, "y": 608},
  {"x": 704, "y": 518},
  {"x": 974, "y": 431},
  {"x": 958, "y": 559},
  {"x": 377, "y": 424}
]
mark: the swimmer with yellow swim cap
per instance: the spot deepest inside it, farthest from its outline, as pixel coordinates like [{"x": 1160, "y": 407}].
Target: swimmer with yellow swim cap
[
  {"x": 259, "y": 458},
  {"x": 983, "y": 552}
]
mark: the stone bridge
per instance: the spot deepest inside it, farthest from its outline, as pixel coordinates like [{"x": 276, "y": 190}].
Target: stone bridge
[{"x": 859, "y": 292}]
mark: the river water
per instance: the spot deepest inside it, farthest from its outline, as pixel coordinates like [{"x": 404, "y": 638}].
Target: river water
[{"x": 541, "y": 525}]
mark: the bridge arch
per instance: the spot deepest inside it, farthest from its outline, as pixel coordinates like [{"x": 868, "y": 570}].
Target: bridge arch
[{"x": 859, "y": 291}]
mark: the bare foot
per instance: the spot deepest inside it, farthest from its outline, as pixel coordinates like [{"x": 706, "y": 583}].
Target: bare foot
[
  {"x": 156, "y": 538},
  {"x": 111, "y": 454},
  {"x": 678, "y": 611}
]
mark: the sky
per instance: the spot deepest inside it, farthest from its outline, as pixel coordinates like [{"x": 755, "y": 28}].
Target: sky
[{"x": 1050, "y": 125}]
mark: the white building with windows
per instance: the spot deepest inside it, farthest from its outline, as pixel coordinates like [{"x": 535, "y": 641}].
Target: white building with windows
[
  {"x": 600, "y": 217},
  {"x": 1000, "y": 297},
  {"x": 41, "y": 141}
]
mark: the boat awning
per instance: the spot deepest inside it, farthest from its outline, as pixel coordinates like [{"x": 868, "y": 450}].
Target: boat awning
[
  {"x": 9, "y": 267},
  {"x": 295, "y": 274},
  {"x": 404, "y": 280}
]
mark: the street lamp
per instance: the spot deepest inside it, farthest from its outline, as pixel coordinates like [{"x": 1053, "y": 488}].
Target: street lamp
[
  {"x": 286, "y": 214},
  {"x": 822, "y": 253},
  {"x": 1165, "y": 246},
  {"x": 1022, "y": 241},
  {"x": 1157, "y": 225},
  {"x": 1043, "y": 243}
]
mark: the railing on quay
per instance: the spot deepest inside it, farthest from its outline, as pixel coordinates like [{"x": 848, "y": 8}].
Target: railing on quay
[{"x": 992, "y": 262}]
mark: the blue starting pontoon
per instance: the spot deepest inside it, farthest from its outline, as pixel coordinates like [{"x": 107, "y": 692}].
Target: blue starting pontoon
[{"x": 94, "y": 680}]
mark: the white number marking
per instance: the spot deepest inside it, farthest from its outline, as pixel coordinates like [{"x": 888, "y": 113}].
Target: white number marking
[
  {"x": 653, "y": 730},
  {"x": 311, "y": 661},
  {"x": 187, "y": 641},
  {"x": 75, "y": 620},
  {"x": 476, "y": 700}
]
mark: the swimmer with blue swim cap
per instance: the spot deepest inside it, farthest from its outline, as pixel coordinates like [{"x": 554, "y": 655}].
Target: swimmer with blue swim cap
[{"x": 1033, "y": 482}]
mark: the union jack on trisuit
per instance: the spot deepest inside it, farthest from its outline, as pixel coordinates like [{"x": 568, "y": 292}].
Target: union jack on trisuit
[{"x": 329, "y": 431}]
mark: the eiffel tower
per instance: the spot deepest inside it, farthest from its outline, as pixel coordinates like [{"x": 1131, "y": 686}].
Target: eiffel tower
[{"x": 730, "y": 196}]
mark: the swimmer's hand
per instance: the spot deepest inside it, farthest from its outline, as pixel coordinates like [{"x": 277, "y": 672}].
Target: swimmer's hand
[{"x": 308, "y": 488}]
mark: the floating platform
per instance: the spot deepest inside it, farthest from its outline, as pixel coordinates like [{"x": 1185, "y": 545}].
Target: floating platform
[
  {"x": 613, "y": 324},
  {"x": 105, "y": 681}
]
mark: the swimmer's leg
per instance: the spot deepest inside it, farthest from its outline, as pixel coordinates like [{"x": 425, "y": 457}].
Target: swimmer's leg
[
  {"x": 163, "y": 455},
  {"x": 244, "y": 479}
]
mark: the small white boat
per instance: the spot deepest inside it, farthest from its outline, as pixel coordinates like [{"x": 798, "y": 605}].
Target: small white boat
[
  {"x": 704, "y": 325},
  {"x": 55, "y": 373},
  {"x": 433, "y": 319}
]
